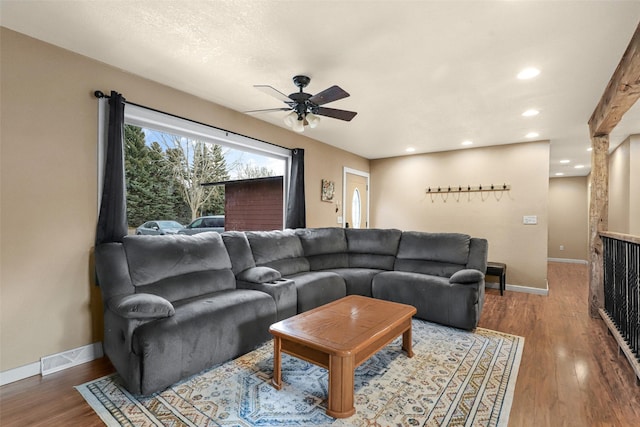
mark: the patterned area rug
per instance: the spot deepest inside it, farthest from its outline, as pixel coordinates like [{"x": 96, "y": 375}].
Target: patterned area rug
[{"x": 456, "y": 378}]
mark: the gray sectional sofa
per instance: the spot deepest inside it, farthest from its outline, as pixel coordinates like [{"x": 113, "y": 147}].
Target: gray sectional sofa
[{"x": 175, "y": 305}]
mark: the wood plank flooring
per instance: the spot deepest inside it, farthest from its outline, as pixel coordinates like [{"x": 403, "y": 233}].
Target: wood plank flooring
[{"x": 570, "y": 375}]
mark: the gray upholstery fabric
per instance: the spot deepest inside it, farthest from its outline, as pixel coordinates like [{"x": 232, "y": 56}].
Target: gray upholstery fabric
[
  {"x": 190, "y": 285},
  {"x": 239, "y": 250},
  {"x": 141, "y": 306},
  {"x": 372, "y": 248},
  {"x": 467, "y": 275},
  {"x": 269, "y": 246},
  {"x": 441, "y": 269},
  {"x": 435, "y": 299},
  {"x": 280, "y": 250},
  {"x": 357, "y": 280},
  {"x": 259, "y": 275},
  {"x": 320, "y": 241},
  {"x": 283, "y": 292},
  {"x": 204, "y": 331},
  {"x": 328, "y": 261},
  {"x": 478, "y": 250},
  {"x": 112, "y": 270},
  {"x": 450, "y": 248},
  {"x": 153, "y": 258},
  {"x": 316, "y": 288},
  {"x": 373, "y": 241}
]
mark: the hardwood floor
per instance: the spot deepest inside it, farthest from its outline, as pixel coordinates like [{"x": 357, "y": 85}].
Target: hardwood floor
[{"x": 570, "y": 375}]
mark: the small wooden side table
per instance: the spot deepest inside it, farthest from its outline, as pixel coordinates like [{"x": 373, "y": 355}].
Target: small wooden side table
[{"x": 500, "y": 270}]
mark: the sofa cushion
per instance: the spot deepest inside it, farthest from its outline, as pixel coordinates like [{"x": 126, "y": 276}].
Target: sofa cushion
[
  {"x": 239, "y": 251},
  {"x": 324, "y": 248},
  {"x": 357, "y": 280},
  {"x": 280, "y": 250},
  {"x": 451, "y": 248},
  {"x": 372, "y": 248},
  {"x": 315, "y": 288},
  {"x": 153, "y": 258}
]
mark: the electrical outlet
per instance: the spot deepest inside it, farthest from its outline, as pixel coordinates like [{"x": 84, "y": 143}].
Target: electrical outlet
[
  {"x": 339, "y": 220},
  {"x": 530, "y": 219},
  {"x": 562, "y": 247}
]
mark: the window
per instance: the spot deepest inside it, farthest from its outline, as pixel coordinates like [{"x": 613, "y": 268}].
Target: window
[
  {"x": 167, "y": 159},
  {"x": 356, "y": 207}
]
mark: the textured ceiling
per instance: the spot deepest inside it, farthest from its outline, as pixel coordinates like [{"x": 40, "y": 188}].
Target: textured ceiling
[{"x": 421, "y": 74}]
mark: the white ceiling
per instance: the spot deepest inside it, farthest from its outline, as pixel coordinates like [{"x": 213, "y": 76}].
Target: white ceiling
[{"x": 422, "y": 74}]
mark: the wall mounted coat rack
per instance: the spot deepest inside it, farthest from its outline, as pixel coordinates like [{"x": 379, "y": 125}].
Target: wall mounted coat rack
[{"x": 467, "y": 188}]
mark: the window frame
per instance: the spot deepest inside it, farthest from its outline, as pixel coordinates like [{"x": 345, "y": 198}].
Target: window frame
[{"x": 144, "y": 117}]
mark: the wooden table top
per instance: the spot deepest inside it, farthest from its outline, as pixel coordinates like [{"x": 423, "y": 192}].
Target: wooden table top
[{"x": 344, "y": 326}]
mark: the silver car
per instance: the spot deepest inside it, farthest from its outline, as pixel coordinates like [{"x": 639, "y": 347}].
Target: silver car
[
  {"x": 159, "y": 228},
  {"x": 205, "y": 223}
]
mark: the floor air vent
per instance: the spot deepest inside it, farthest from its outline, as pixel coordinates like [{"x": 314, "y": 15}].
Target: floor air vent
[{"x": 70, "y": 358}]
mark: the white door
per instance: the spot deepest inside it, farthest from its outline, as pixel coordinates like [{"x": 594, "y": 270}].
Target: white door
[{"x": 356, "y": 199}]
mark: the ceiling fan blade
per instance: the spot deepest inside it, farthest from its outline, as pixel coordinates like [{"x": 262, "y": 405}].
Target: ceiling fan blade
[
  {"x": 336, "y": 114},
  {"x": 269, "y": 90},
  {"x": 268, "y": 110},
  {"x": 328, "y": 95}
]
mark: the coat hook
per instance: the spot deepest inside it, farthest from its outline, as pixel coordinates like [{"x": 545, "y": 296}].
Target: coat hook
[
  {"x": 438, "y": 189},
  {"x": 429, "y": 190},
  {"x": 468, "y": 188},
  {"x": 492, "y": 186},
  {"x": 459, "y": 188},
  {"x": 504, "y": 186},
  {"x": 449, "y": 188},
  {"x": 480, "y": 187}
]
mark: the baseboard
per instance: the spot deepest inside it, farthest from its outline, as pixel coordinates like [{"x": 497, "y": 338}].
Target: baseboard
[
  {"x": 519, "y": 288},
  {"x": 53, "y": 363},
  {"x": 568, "y": 260}
]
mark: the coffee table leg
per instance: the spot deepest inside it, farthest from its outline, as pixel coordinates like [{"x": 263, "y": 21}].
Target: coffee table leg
[
  {"x": 407, "y": 342},
  {"x": 276, "y": 381},
  {"x": 340, "y": 400}
]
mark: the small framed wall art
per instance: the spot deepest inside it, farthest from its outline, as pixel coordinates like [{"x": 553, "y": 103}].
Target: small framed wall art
[{"x": 328, "y": 190}]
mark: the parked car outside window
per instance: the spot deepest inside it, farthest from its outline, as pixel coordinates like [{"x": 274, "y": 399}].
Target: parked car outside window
[
  {"x": 205, "y": 223},
  {"x": 159, "y": 228}
]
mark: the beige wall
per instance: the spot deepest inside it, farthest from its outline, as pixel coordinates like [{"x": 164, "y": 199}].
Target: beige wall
[
  {"x": 624, "y": 187},
  {"x": 569, "y": 217},
  {"x": 48, "y": 184},
  {"x": 399, "y": 200}
]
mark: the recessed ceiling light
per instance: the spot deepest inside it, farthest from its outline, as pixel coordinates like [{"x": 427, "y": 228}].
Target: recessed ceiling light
[
  {"x": 467, "y": 143},
  {"x": 530, "y": 113},
  {"x": 532, "y": 135},
  {"x": 565, "y": 161},
  {"x": 410, "y": 150},
  {"x": 559, "y": 174},
  {"x": 528, "y": 73},
  {"x": 579, "y": 166}
]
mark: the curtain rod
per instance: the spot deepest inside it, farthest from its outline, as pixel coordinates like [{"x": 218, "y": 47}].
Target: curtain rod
[{"x": 99, "y": 94}]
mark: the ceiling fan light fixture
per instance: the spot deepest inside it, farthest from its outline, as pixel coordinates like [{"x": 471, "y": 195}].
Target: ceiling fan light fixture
[
  {"x": 312, "y": 119},
  {"x": 290, "y": 119},
  {"x": 298, "y": 125}
]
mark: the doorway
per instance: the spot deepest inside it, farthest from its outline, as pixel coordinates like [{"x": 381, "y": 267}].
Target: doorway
[{"x": 355, "y": 198}]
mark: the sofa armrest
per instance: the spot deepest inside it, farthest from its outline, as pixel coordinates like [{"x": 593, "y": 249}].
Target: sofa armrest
[
  {"x": 141, "y": 306},
  {"x": 467, "y": 276},
  {"x": 283, "y": 292},
  {"x": 258, "y": 275}
]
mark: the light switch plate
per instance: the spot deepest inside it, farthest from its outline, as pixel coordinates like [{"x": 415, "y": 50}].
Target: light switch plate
[{"x": 530, "y": 219}]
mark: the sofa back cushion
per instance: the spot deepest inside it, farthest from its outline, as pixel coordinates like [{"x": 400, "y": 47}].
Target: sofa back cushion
[
  {"x": 239, "y": 251},
  {"x": 280, "y": 250},
  {"x": 324, "y": 248},
  {"x": 439, "y": 254},
  {"x": 178, "y": 266},
  {"x": 372, "y": 248}
]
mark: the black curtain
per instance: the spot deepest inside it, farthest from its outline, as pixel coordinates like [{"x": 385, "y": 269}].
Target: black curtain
[
  {"x": 112, "y": 221},
  {"x": 296, "y": 211}
]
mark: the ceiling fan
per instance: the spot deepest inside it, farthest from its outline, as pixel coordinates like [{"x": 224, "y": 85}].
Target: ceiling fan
[{"x": 305, "y": 108}]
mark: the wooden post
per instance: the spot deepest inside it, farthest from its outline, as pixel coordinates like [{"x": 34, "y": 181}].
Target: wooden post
[
  {"x": 598, "y": 220},
  {"x": 619, "y": 96}
]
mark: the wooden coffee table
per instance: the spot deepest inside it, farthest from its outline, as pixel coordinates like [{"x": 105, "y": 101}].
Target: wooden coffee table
[{"x": 339, "y": 336}]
